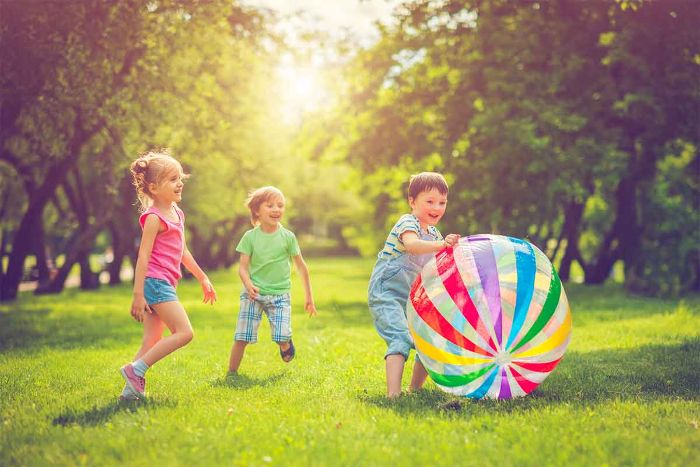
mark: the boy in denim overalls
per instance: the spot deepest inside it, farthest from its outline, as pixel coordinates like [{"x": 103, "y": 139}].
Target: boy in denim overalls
[{"x": 410, "y": 244}]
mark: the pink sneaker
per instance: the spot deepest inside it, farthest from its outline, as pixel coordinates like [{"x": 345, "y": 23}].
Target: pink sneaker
[{"x": 135, "y": 382}]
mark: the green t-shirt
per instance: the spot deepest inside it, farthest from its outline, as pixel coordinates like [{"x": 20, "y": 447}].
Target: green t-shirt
[{"x": 269, "y": 258}]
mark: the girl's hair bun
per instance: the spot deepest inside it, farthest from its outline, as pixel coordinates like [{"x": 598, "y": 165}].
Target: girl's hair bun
[{"x": 140, "y": 165}]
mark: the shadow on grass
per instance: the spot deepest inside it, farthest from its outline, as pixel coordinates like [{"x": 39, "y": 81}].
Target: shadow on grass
[
  {"x": 350, "y": 314},
  {"x": 19, "y": 328},
  {"x": 645, "y": 374},
  {"x": 246, "y": 382},
  {"x": 99, "y": 415},
  {"x": 38, "y": 328},
  {"x": 611, "y": 302}
]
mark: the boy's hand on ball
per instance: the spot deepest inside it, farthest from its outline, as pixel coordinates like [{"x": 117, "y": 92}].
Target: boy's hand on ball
[{"x": 451, "y": 240}]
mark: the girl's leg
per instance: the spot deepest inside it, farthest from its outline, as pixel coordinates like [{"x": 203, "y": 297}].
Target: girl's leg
[
  {"x": 175, "y": 317},
  {"x": 153, "y": 328},
  {"x": 394, "y": 372},
  {"x": 419, "y": 376},
  {"x": 237, "y": 352}
]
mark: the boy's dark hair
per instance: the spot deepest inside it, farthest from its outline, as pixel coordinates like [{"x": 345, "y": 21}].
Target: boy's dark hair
[{"x": 426, "y": 181}]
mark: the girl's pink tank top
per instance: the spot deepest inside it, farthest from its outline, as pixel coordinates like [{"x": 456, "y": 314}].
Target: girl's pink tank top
[{"x": 168, "y": 247}]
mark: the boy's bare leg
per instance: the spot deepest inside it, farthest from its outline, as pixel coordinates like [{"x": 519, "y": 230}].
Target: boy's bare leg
[
  {"x": 394, "y": 372},
  {"x": 418, "y": 377},
  {"x": 237, "y": 352}
]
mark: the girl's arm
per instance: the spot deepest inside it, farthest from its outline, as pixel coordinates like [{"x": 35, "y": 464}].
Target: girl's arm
[
  {"x": 415, "y": 246},
  {"x": 192, "y": 266},
  {"x": 306, "y": 279},
  {"x": 243, "y": 268},
  {"x": 151, "y": 227}
]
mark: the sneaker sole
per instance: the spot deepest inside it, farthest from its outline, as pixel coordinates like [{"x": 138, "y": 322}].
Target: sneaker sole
[{"x": 129, "y": 399}]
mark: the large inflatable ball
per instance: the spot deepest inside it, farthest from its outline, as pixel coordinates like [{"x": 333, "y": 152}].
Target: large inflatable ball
[{"x": 489, "y": 317}]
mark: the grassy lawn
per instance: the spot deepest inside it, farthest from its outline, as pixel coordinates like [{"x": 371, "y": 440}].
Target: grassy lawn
[{"x": 626, "y": 393}]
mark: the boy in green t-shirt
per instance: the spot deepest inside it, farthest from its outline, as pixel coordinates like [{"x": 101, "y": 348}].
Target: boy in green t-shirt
[{"x": 265, "y": 271}]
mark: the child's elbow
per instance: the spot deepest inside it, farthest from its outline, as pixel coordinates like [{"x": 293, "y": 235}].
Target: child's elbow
[{"x": 410, "y": 247}]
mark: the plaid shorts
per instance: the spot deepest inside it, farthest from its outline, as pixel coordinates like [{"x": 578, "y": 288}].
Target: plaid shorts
[{"x": 278, "y": 310}]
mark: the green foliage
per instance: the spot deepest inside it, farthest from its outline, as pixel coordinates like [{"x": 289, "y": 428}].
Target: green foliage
[
  {"x": 671, "y": 262},
  {"x": 102, "y": 82},
  {"x": 548, "y": 117},
  {"x": 626, "y": 391},
  {"x": 553, "y": 121}
]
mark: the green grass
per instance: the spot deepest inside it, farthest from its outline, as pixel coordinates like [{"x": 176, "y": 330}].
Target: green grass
[{"x": 626, "y": 393}]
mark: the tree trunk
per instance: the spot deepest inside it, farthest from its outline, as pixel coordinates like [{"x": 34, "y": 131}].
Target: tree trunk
[
  {"x": 3, "y": 250},
  {"x": 88, "y": 280},
  {"x": 21, "y": 246},
  {"x": 40, "y": 252},
  {"x": 622, "y": 241},
  {"x": 121, "y": 247},
  {"x": 115, "y": 268},
  {"x": 570, "y": 231},
  {"x": 79, "y": 246}
]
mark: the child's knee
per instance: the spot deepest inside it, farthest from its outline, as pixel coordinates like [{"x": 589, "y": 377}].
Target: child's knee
[{"x": 186, "y": 336}]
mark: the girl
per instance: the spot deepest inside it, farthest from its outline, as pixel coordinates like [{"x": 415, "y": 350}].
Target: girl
[
  {"x": 264, "y": 269},
  {"x": 158, "y": 179}
]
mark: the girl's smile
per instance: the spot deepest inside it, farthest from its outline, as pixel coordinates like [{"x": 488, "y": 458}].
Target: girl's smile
[{"x": 171, "y": 188}]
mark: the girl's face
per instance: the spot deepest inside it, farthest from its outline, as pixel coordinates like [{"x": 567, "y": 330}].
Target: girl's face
[
  {"x": 270, "y": 212},
  {"x": 170, "y": 188},
  {"x": 428, "y": 206}
]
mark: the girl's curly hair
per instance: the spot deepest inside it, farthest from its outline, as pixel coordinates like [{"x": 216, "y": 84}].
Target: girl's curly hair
[{"x": 152, "y": 167}]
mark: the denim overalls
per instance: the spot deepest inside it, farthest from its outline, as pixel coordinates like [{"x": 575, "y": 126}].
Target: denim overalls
[{"x": 389, "y": 287}]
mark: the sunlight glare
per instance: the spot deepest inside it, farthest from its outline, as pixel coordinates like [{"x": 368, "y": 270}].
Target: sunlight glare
[{"x": 301, "y": 90}]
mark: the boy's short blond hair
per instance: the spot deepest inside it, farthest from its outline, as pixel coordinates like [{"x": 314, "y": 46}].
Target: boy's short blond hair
[
  {"x": 426, "y": 181},
  {"x": 260, "y": 196}
]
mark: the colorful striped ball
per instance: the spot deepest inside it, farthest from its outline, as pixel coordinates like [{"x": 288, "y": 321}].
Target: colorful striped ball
[{"x": 489, "y": 317}]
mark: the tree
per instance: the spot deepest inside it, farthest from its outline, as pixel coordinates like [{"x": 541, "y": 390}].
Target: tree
[
  {"x": 550, "y": 119},
  {"x": 99, "y": 82}
]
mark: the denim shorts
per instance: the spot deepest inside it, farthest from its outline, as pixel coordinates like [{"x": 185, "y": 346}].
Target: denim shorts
[
  {"x": 278, "y": 310},
  {"x": 389, "y": 287},
  {"x": 158, "y": 291}
]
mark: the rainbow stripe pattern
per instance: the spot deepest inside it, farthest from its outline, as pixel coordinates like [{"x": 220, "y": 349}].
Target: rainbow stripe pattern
[{"x": 489, "y": 317}]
